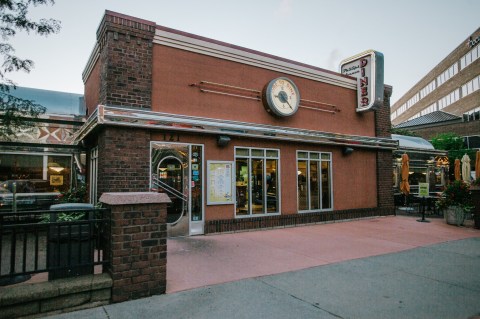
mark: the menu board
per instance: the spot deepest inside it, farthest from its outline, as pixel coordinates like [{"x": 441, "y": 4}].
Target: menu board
[{"x": 219, "y": 183}]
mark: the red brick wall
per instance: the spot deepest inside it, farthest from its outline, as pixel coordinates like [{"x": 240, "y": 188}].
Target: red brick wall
[
  {"x": 174, "y": 70},
  {"x": 92, "y": 89},
  {"x": 124, "y": 160},
  {"x": 137, "y": 248},
  {"x": 125, "y": 61}
]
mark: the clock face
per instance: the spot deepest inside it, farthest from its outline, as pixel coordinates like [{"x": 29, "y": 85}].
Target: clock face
[{"x": 281, "y": 97}]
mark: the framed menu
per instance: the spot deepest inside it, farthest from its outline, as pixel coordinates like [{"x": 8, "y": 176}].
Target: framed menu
[{"x": 220, "y": 183}]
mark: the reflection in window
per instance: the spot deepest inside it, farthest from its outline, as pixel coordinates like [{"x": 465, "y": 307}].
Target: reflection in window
[
  {"x": 257, "y": 186},
  {"x": 314, "y": 181},
  {"x": 37, "y": 180},
  {"x": 35, "y": 173}
]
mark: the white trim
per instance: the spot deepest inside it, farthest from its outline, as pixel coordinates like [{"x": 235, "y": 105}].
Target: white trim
[
  {"x": 186, "y": 43},
  {"x": 92, "y": 60}
]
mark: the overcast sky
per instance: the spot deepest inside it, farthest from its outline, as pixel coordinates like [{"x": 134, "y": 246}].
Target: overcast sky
[{"x": 413, "y": 35}]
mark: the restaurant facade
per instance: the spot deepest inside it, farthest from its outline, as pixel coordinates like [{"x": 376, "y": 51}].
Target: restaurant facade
[{"x": 237, "y": 138}]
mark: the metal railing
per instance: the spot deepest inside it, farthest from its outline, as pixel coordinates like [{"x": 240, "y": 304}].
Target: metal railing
[
  {"x": 62, "y": 243},
  {"x": 169, "y": 189}
]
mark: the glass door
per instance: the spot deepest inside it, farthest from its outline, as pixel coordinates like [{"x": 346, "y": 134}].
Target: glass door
[{"x": 177, "y": 170}]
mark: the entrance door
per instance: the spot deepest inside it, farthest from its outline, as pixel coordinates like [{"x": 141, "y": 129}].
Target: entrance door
[{"x": 177, "y": 170}]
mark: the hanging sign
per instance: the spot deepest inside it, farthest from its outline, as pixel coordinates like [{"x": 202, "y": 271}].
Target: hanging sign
[{"x": 367, "y": 67}]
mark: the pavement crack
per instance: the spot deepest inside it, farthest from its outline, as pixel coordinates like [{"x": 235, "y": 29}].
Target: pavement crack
[
  {"x": 106, "y": 313},
  {"x": 316, "y": 305}
]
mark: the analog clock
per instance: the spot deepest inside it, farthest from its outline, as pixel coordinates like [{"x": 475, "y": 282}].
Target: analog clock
[{"x": 281, "y": 97}]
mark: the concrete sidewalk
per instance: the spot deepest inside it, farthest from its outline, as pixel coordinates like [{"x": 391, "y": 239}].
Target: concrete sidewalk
[
  {"x": 206, "y": 260},
  {"x": 391, "y": 267}
]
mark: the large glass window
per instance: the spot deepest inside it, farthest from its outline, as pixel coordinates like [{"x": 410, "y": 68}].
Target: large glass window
[
  {"x": 30, "y": 174},
  {"x": 314, "y": 187},
  {"x": 257, "y": 185}
]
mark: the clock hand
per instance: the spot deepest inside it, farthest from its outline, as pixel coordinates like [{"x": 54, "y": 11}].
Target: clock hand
[{"x": 289, "y": 104}]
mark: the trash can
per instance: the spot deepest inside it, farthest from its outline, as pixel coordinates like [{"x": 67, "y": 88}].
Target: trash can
[{"x": 70, "y": 248}]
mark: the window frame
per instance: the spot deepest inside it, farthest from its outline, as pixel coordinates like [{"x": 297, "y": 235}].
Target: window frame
[
  {"x": 330, "y": 172},
  {"x": 249, "y": 158}
]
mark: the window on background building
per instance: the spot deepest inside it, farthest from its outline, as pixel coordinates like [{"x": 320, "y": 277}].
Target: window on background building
[
  {"x": 427, "y": 89},
  {"x": 471, "y": 86},
  {"x": 473, "y": 141},
  {"x": 473, "y": 115},
  {"x": 414, "y": 99},
  {"x": 470, "y": 57},
  {"x": 257, "y": 181},
  {"x": 314, "y": 186},
  {"x": 22, "y": 173},
  {"x": 447, "y": 74},
  {"x": 430, "y": 109},
  {"x": 448, "y": 99}
]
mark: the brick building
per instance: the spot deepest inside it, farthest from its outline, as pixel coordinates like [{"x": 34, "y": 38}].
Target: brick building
[
  {"x": 447, "y": 99},
  {"x": 207, "y": 123}
]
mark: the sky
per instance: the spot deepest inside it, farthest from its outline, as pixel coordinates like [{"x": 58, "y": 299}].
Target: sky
[{"x": 413, "y": 35}]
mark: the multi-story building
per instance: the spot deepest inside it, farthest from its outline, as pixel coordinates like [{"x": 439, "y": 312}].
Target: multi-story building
[{"x": 452, "y": 87}]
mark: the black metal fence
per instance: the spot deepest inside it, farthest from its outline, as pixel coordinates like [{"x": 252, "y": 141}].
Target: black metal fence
[{"x": 62, "y": 243}]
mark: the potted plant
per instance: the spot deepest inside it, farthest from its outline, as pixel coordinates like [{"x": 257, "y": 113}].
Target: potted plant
[
  {"x": 475, "y": 190},
  {"x": 455, "y": 202}
]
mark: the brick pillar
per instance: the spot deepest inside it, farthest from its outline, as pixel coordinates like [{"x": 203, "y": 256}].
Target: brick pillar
[
  {"x": 384, "y": 158},
  {"x": 126, "y": 55},
  {"x": 136, "y": 244},
  {"x": 124, "y": 160}
]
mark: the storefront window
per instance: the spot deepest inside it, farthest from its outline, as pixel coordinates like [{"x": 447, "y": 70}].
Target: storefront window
[
  {"x": 257, "y": 186},
  {"x": 30, "y": 174},
  {"x": 314, "y": 181}
]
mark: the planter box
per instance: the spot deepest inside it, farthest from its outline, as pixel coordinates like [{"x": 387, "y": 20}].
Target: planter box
[{"x": 454, "y": 215}]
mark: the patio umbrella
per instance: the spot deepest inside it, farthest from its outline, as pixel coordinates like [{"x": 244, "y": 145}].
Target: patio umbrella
[
  {"x": 457, "y": 169},
  {"x": 466, "y": 168},
  {"x": 404, "y": 186},
  {"x": 477, "y": 165}
]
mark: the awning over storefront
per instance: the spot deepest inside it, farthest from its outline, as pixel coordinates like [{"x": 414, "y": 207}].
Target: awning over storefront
[{"x": 107, "y": 115}]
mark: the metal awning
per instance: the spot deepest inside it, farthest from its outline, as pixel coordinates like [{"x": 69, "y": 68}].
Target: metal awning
[
  {"x": 416, "y": 145},
  {"x": 108, "y": 115}
]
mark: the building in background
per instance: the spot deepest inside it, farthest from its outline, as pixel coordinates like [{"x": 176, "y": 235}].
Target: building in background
[
  {"x": 41, "y": 162},
  {"x": 447, "y": 99}
]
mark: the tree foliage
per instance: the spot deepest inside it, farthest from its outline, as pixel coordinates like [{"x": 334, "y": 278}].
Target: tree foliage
[
  {"x": 447, "y": 141},
  {"x": 454, "y": 144},
  {"x": 16, "y": 113},
  {"x": 402, "y": 131}
]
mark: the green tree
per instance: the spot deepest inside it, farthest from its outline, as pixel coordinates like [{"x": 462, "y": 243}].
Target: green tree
[
  {"x": 402, "y": 131},
  {"x": 16, "y": 113},
  {"x": 447, "y": 141},
  {"x": 454, "y": 144}
]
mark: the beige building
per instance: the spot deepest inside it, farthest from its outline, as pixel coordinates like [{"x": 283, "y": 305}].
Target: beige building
[{"x": 453, "y": 86}]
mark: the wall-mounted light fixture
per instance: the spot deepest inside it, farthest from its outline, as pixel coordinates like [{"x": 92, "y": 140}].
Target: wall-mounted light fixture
[
  {"x": 347, "y": 150},
  {"x": 223, "y": 140}
]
